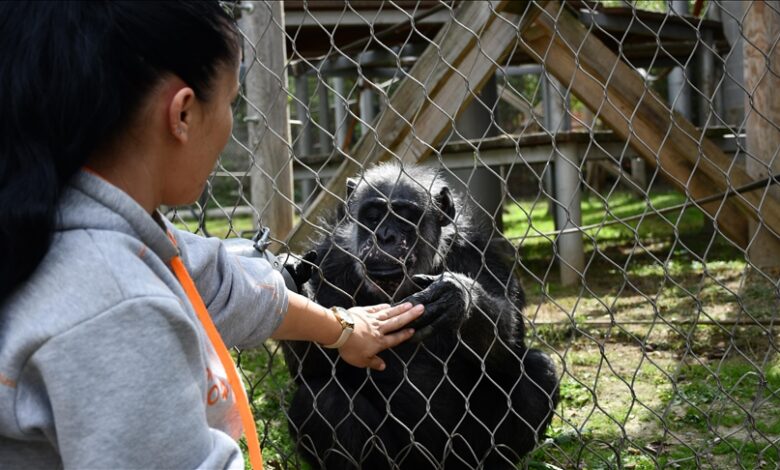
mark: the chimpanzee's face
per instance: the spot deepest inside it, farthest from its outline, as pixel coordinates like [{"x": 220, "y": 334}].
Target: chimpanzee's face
[
  {"x": 387, "y": 236},
  {"x": 396, "y": 234}
]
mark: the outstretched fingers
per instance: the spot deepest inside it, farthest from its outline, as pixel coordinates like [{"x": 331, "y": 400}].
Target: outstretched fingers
[
  {"x": 376, "y": 308},
  {"x": 378, "y": 328},
  {"x": 394, "y": 339},
  {"x": 397, "y": 317}
]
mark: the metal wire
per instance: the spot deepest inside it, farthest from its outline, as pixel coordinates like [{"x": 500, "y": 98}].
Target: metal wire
[{"x": 580, "y": 132}]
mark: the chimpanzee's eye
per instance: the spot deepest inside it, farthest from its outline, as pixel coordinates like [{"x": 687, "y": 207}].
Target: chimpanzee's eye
[
  {"x": 408, "y": 213},
  {"x": 371, "y": 217}
]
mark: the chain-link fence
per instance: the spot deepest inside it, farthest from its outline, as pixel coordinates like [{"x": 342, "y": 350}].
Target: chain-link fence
[{"x": 624, "y": 151}]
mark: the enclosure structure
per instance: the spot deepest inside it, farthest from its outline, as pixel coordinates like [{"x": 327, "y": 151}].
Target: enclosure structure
[{"x": 628, "y": 151}]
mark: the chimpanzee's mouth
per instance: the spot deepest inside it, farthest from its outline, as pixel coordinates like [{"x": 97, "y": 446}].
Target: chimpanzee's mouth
[{"x": 385, "y": 272}]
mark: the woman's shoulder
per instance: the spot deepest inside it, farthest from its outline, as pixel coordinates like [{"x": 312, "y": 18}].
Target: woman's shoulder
[{"x": 83, "y": 275}]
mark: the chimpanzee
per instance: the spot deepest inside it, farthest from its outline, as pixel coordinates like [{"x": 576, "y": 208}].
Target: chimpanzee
[{"x": 465, "y": 391}]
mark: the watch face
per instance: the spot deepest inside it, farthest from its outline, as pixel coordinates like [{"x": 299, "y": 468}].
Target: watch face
[{"x": 346, "y": 318}]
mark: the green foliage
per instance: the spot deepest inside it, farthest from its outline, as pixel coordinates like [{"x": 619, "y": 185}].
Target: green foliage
[
  {"x": 269, "y": 386},
  {"x": 528, "y": 221},
  {"x": 650, "y": 5}
]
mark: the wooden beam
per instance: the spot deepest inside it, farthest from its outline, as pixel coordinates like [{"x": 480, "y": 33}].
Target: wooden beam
[
  {"x": 761, "y": 54},
  {"x": 269, "y": 123},
  {"x": 621, "y": 99},
  {"x": 443, "y": 81}
]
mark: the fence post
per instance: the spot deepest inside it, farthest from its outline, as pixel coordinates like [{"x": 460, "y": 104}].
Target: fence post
[
  {"x": 268, "y": 116},
  {"x": 555, "y": 119},
  {"x": 326, "y": 142},
  {"x": 706, "y": 68},
  {"x": 367, "y": 106},
  {"x": 304, "y": 144},
  {"x": 678, "y": 88},
  {"x": 341, "y": 116},
  {"x": 639, "y": 172},
  {"x": 571, "y": 254},
  {"x": 732, "y": 91},
  {"x": 761, "y": 28},
  {"x": 481, "y": 185}
]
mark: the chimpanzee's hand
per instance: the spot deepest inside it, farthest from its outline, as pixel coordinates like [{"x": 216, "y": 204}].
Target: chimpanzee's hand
[{"x": 445, "y": 297}]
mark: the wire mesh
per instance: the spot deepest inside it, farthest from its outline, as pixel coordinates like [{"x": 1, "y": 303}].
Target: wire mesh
[{"x": 626, "y": 150}]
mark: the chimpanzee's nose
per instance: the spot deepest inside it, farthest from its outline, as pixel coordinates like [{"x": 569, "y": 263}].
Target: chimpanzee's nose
[{"x": 385, "y": 235}]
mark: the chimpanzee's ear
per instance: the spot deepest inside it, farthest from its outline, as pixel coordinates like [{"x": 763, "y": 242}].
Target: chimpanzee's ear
[
  {"x": 351, "y": 185},
  {"x": 446, "y": 206}
]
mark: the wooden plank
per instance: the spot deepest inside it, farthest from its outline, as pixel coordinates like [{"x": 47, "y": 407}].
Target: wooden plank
[
  {"x": 619, "y": 96},
  {"x": 269, "y": 133},
  {"x": 439, "y": 86}
]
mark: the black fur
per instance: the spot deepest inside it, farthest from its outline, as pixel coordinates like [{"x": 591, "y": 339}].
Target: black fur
[{"x": 465, "y": 392}]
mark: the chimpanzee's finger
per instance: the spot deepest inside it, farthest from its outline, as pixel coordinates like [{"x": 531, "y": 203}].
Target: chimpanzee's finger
[
  {"x": 425, "y": 280},
  {"x": 439, "y": 315},
  {"x": 421, "y": 334},
  {"x": 423, "y": 297},
  {"x": 445, "y": 317}
]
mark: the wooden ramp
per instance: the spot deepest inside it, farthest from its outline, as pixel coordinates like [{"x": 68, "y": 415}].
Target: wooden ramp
[
  {"x": 465, "y": 54},
  {"x": 618, "y": 95},
  {"x": 452, "y": 69}
]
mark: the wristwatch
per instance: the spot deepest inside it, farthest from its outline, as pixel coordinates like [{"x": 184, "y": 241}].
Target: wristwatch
[{"x": 347, "y": 326}]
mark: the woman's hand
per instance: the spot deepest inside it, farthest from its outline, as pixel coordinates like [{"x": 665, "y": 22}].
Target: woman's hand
[{"x": 376, "y": 330}]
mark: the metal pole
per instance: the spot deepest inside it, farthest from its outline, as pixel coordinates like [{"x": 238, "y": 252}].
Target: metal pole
[
  {"x": 340, "y": 111},
  {"x": 304, "y": 144},
  {"x": 556, "y": 106},
  {"x": 556, "y": 119},
  {"x": 566, "y": 176},
  {"x": 732, "y": 89},
  {"x": 679, "y": 90},
  {"x": 706, "y": 65},
  {"x": 483, "y": 185},
  {"x": 639, "y": 171},
  {"x": 326, "y": 142},
  {"x": 367, "y": 107},
  {"x": 571, "y": 252},
  {"x": 547, "y": 175}
]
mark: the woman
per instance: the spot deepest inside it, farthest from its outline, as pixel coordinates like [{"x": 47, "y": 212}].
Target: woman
[{"x": 108, "y": 110}]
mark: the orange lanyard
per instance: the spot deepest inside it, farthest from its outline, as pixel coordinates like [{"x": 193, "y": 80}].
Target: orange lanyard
[{"x": 247, "y": 420}]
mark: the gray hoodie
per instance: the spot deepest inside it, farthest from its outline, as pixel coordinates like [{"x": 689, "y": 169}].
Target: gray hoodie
[{"x": 103, "y": 363}]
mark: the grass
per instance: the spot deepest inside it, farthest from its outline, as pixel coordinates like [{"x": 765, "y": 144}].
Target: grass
[
  {"x": 667, "y": 350},
  {"x": 664, "y": 349},
  {"x": 269, "y": 386}
]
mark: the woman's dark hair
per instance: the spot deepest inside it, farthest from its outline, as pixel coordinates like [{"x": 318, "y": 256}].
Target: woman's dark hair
[{"x": 73, "y": 76}]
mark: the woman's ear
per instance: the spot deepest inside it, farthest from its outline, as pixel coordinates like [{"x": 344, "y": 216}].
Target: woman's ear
[{"x": 180, "y": 113}]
